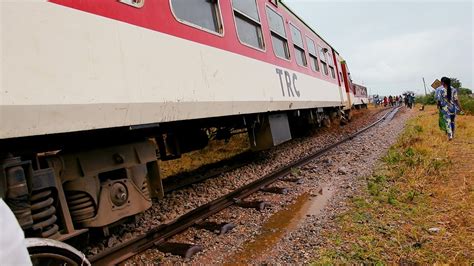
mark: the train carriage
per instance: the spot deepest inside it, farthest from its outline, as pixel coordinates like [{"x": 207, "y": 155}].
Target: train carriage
[
  {"x": 95, "y": 92},
  {"x": 361, "y": 98}
]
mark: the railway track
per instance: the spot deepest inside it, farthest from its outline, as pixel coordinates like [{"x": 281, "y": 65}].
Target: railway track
[
  {"x": 212, "y": 170},
  {"x": 159, "y": 235},
  {"x": 206, "y": 172}
]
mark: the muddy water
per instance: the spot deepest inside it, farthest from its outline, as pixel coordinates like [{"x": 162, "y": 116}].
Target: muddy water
[{"x": 283, "y": 221}]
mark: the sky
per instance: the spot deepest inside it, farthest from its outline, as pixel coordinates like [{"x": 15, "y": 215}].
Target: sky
[{"x": 391, "y": 45}]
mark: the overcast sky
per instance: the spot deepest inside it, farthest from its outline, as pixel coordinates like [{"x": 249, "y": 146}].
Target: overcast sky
[{"x": 391, "y": 45}]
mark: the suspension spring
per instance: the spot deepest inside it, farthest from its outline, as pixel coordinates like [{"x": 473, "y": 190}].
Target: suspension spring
[
  {"x": 81, "y": 206},
  {"x": 44, "y": 214}
]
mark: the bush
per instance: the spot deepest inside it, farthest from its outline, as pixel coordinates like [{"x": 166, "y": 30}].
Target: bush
[
  {"x": 426, "y": 99},
  {"x": 467, "y": 103}
]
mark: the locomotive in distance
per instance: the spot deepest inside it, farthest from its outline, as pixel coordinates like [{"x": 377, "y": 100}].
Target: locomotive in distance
[{"x": 96, "y": 92}]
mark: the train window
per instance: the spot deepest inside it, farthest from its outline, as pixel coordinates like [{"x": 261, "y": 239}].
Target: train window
[
  {"x": 247, "y": 21},
  {"x": 278, "y": 33},
  {"x": 296, "y": 36},
  {"x": 333, "y": 74},
  {"x": 313, "y": 58},
  {"x": 322, "y": 58},
  {"x": 280, "y": 46},
  {"x": 247, "y": 7},
  {"x": 203, "y": 14},
  {"x": 276, "y": 23},
  {"x": 331, "y": 65},
  {"x": 298, "y": 45}
]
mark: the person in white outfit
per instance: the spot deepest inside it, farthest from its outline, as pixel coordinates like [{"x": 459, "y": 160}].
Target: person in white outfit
[{"x": 12, "y": 239}]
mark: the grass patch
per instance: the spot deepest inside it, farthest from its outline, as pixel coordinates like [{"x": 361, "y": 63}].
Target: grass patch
[
  {"x": 216, "y": 151},
  {"x": 296, "y": 172},
  {"x": 423, "y": 182}
]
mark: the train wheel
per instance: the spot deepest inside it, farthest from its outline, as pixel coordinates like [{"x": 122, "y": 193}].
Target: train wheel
[
  {"x": 44, "y": 251},
  {"x": 348, "y": 115},
  {"x": 326, "y": 121}
]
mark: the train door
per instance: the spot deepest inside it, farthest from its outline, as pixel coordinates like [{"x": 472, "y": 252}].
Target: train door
[
  {"x": 341, "y": 80},
  {"x": 347, "y": 83}
]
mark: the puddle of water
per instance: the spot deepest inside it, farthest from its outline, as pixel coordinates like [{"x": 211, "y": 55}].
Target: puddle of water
[{"x": 278, "y": 224}]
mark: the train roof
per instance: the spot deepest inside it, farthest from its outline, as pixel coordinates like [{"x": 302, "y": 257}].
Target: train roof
[{"x": 306, "y": 24}]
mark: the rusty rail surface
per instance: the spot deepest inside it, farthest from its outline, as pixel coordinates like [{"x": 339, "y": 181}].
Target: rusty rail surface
[{"x": 126, "y": 250}]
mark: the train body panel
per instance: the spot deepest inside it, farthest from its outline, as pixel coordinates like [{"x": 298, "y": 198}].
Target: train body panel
[{"x": 88, "y": 72}]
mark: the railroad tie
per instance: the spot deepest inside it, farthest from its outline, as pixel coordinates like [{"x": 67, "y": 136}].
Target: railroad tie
[
  {"x": 275, "y": 190},
  {"x": 296, "y": 180},
  {"x": 258, "y": 205},
  {"x": 217, "y": 228},
  {"x": 184, "y": 250}
]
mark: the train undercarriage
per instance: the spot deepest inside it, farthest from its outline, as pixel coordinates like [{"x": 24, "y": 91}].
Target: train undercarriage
[{"x": 62, "y": 186}]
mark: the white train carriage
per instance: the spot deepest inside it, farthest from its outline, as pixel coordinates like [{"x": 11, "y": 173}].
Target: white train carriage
[
  {"x": 95, "y": 80},
  {"x": 361, "y": 98}
]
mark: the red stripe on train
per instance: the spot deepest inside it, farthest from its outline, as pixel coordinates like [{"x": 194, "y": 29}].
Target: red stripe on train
[{"x": 156, "y": 15}]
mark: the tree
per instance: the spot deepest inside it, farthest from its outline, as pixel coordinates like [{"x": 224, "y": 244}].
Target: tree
[
  {"x": 455, "y": 83},
  {"x": 464, "y": 91}
]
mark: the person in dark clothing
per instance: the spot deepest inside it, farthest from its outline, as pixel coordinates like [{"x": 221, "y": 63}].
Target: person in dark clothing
[{"x": 411, "y": 98}]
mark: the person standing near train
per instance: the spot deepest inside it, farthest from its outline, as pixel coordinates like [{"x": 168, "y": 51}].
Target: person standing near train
[
  {"x": 448, "y": 104},
  {"x": 411, "y": 100}
]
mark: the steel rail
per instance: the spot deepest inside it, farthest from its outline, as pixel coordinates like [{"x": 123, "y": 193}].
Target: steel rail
[{"x": 156, "y": 236}]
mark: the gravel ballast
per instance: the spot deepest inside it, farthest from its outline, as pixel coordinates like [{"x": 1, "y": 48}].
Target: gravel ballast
[{"x": 336, "y": 172}]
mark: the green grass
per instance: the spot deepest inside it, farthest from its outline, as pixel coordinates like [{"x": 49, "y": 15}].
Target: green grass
[{"x": 423, "y": 181}]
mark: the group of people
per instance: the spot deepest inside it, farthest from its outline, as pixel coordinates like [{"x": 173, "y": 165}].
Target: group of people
[
  {"x": 448, "y": 106},
  {"x": 392, "y": 101},
  {"x": 408, "y": 99}
]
